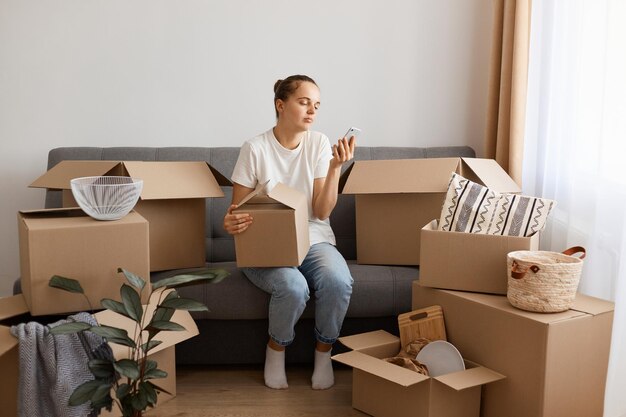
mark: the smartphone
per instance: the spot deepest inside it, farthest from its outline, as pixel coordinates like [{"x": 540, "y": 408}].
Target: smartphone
[{"x": 353, "y": 131}]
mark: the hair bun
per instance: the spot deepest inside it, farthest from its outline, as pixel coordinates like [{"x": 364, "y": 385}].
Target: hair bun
[{"x": 277, "y": 85}]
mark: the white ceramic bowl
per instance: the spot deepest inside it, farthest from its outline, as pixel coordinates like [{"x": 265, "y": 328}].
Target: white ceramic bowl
[{"x": 106, "y": 198}]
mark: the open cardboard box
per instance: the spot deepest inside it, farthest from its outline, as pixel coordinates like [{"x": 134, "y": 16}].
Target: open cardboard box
[
  {"x": 556, "y": 364},
  {"x": 14, "y": 308},
  {"x": 279, "y": 233},
  {"x": 172, "y": 200},
  {"x": 383, "y": 389},
  {"x": 69, "y": 243},
  {"x": 394, "y": 199},
  {"x": 468, "y": 261}
]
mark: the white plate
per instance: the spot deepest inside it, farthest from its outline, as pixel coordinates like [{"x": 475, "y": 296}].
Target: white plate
[{"x": 441, "y": 358}]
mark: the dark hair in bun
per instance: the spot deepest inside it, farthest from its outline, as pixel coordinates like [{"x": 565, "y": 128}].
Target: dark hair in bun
[{"x": 284, "y": 88}]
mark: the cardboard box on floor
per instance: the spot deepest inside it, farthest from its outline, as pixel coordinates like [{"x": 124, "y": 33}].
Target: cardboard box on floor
[
  {"x": 10, "y": 308},
  {"x": 394, "y": 199},
  {"x": 279, "y": 233},
  {"x": 69, "y": 243},
  {"x": 468, "y": 261},
  {"x": 15, "y": 308},
  {"x": 172, "y": 200},
  {"x": 382, "y": 389},
  {"x": 164, "y": 354},
  {"x": 555, "y": 364}
]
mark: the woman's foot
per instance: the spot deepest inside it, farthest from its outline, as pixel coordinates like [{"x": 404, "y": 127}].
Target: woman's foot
[
  {"x": 323, "y": 377},
  {"x": 274, "y": 372}
]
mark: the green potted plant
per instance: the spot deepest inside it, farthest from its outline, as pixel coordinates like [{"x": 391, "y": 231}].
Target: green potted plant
[{"x": 132, "y": 380}]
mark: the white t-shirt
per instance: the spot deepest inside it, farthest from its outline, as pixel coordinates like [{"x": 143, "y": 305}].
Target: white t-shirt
[{"x": 263, "y": 158}]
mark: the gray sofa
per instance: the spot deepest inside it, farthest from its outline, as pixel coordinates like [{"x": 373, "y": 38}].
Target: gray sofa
[{"x": 234, "y": 331}]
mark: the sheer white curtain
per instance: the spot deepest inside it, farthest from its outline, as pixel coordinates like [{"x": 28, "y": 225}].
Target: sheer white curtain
[{"x": 575, "y": 149}]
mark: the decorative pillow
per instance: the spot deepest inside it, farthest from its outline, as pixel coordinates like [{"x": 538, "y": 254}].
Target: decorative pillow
[{"x": 473, "y": 208}]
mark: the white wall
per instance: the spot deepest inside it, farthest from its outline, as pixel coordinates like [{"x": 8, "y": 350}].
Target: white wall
[{"x": 200, "y": 73}]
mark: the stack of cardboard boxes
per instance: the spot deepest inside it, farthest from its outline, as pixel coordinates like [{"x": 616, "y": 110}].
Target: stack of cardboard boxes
[
  {"x": 165, "y": 231},
  {"x": 553, "y": 364}
]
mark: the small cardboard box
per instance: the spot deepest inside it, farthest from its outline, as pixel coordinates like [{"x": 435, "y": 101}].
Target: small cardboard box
[
  {"x": 172, "y": 200},
  {"x": 15, "y": 308},
  {"x": 555, "y": 364},
  {"x": 279, "y": 233},
  {"x": 394, "y": 199},
  {"x": 383, "y": 389},
  {"x": 468, "y": 261},
  {"x": 164, "y": 354},
  {"x": 10, "y": 308},
  {"x": 69, "y": 243}
]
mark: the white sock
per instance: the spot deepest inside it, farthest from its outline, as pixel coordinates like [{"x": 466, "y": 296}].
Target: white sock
[
  {"x": 274, "y": 373},
  {"x": 323, "y": 377}
]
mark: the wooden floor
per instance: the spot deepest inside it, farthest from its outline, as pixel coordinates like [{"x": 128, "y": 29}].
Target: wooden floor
[{"x": 240, "y": 392}]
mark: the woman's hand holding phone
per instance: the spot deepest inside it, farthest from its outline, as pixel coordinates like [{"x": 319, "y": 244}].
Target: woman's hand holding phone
[{"x": 343, "y": 151}]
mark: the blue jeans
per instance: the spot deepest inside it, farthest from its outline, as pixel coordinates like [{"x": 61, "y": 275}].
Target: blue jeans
[{"x": 326, "y": 272}]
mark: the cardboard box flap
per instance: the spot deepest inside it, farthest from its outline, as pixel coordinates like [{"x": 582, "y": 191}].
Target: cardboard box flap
[
  {"x": 176, "y": 179},
  {"x": 592, "y": 305},
  {"x": 169, "y": 338},
  {"x": 400, "y": 176},
  {"x": 258, "y": 190},
  {"x": 369, "y": 339},
  {"x": 492, "y": 175},
  {"x": 12, "y": 306},
  {"x": 221, "y": 179},
  {"x": 379, "y": 367},
  {"x": 287, "y": 195},
  {"x": 468, "y": 378},
  {"x": 59, "y": 176}
]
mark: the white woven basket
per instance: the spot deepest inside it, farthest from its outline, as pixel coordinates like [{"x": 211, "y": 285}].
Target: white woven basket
[{"x": 544, "y": 281}]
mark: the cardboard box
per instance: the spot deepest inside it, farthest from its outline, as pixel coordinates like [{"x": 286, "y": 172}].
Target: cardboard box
[
  {"x": 15, "y": 308},
  {"x": 383, "y": 389},
  {"x": 279, "y": 233},
  {"x": 394, "y": 199},
  {"x": 164, "y": 354},
  {"x": 468, "y": 261},
  {"x": 172, "y": 200},
  {"x": 69, "y": 243},
  {"x": 555, "y": 364},
  {"x": 10, "y": 308}
]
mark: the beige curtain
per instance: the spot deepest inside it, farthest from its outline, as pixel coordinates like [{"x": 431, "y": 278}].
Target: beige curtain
[{"x": 507, "y": 84}]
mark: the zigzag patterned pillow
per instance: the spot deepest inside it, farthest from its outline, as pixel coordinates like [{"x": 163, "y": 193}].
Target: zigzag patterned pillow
[{"x": 473, "y": 208}]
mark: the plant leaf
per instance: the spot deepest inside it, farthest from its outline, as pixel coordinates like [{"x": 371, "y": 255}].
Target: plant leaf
[
  {"x": 147, "y": 347},
  {"x": 165, "y": 325},
  {"x": 68, "y": 328},
  {"x": 150, "y": 364},
  {"x": 101, "y": 368},
  {"x": 184, "y": 304},
  {"x": 155, "y": 374},
  {"x": 84, "y": 392},
  {"x": 163, "y": 314},
  {"x": 66, "y": 284},
  {"x": 135, "y": 280},
  {"x": 115, "y": 335},
  {"x": 122, "y": 391},
  {"x": 101, "y": 393},
  {"x": 214, "y": 275},
  {"x": 140, "y": 401},
  {"x": 151, "y": 394},
  {"x": 115, "y": 306},
  {"x": 132, "y": 302},
  {"x": 127, "y": 368}
]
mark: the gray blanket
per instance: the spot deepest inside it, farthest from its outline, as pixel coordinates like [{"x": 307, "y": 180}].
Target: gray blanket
[{"x": 52, "y": 366}]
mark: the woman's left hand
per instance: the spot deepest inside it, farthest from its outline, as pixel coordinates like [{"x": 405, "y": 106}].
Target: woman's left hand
[{"x": 343, "y": 151}]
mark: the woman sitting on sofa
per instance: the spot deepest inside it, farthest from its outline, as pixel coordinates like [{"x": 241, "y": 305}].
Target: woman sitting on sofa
[{"x": 292, "y": 154}]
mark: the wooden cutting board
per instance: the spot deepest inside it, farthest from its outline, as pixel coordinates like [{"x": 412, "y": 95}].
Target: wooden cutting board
[{"x": 426, "y": 322}]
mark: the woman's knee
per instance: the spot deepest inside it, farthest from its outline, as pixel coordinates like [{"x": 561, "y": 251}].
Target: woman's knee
[{"x": 292, "y": 285}]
